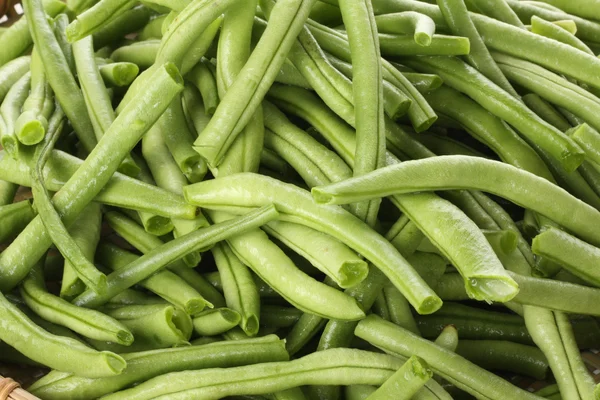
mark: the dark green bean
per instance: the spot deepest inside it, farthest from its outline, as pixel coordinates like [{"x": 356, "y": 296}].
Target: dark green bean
[
  {"x": 96, "y": 17},
  {"x": 14, "y": 218},
  {"x": 124, "y": 23},
  {"x": 546, "y": 111}
]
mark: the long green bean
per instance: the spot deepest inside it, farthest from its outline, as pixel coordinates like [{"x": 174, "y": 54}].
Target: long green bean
[
  {"x": 545, "y": 28},
  {"x": 216, "y": 321},
  {"x": 546, "y": 111},
  {"x": 441, "y": 45},
  {"x": 10, "y": 111},
  {"x": 125, "y": 23},
  {"x": 14, "y": 218},
  {"x": 408, "y": 22},
  {"x": 96, "y": 17}
]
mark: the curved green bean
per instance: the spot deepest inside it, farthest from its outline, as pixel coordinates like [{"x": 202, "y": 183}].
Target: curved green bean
[
  {"x": 96, "y": 17},
  {"x": 11, "y": 72},
  {"x": 447, "y": 364},
  {"x": 14, "y": 218},
  {"x": 546, "y": 111},
  {"x": 408, "y": 22},
  {"x": 542, "y": 27},
  {"x": 143, "y": 54},
  {"x": 434, "y": 170},
  {"x": 203, "y": 79},
  {"x": 148, "y": 364},
  {"x": 251, "y": 190},
  {"x": 10, "y": 111}
]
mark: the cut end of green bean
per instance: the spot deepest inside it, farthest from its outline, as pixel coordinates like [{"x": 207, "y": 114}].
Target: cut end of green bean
[
  {"x": 115, "y": 362},
  {"x": 500, "y": 289},
  {"x": 429, "y": 305},
  {"x": 422, "y": 38},
  {"x": 158, "y": 225},
  {"x": 321, "y": 196},
  {"x": 125, "y": 338},
  {"x": 352, "y": 273},
  {"x": 250, "y": 325},
  {"x": 509, "y": 241},
  {"x": 174, "y": 73},
  {"x": 420, "y": 368},
  {"x": 129, "y": 167},
  {"x": 125, "y": 73},
  {"x": 73, "y": 31},
  {"x": 196, "y": 306},
  {"x": 10, "y": 145},
  {"x": 571, "y": 161},
  {"x": 30, "y": 128}
]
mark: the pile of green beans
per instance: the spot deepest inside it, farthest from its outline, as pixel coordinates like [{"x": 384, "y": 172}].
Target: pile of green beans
[{"x": 257, "y": 199}]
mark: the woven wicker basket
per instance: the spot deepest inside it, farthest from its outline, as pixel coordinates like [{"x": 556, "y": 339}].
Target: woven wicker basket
[{"x": 24, "y": 376}]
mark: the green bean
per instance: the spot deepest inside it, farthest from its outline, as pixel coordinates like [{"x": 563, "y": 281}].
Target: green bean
[
  {"x": 275, "y": 268},
  {"x": 10, "y": 111},
  {"x": 447, "y": 364},
  {"x": 145, "y": 365},
  {"x": 305, "y": 329},
  {"x": 264, "y": 290},
  {"x": 448, "y": 338},
  {"x": 336, "y": 43},
  {"x": 416, "y": 207},
  {"x": 271, "y": 160},
  {"x": 86, "y": 234},
  {"x": 17, "y": 39},
  {"x": 61, "y": 21},
  {"x": 50, "y": 217},
  {"x": 583, "y": 8},
  {"x": 507, "y": 356},
  {"x": 241, "y": 293},
  {"x": 405, "y": 236},
  {"x": 243, "y": 97},
  {"x": 542, "y": 27},
  {"x": 7, "y": 192},
  {"x": 118, "y": 73},
  {"x": 464, "y": 78},
  {"x": 552, "y": 332},
  {"x": 14, "y": 218},
  {"x": 398, "y": 308},
  {"x": 557, "y": 295},
  {"x": 406, "y": 381},
  {"x": 89, "y": 323},
  {"x": 336, "y": 193},
  {"x": 30, "y": 127},
  {"x": 124, "y": 23},
  {"x": 358, "y": 392},
  {"x": 326, "y": 14},
  {"x": 573, "y": 254},
  {"x": 408, "y": 22},
  {"x": 324, "y": 252},
  {"x": 586, "y": 29},
  {"x": 204, "y": 80},
  {"x": 165, "y": 284},
  {"x": 546, "y": 111},
  {"x": 171, "y": 251},
  {"x": 216, "y": 321},
  {"x": 279, "y": 317},
  {"x": 489, "y": 129},
  {"x": 320, "y": 218},
  {"x": 336, "y": 366},
  {"x": 551, "y": 87},
  {"x": 58, "y": 73},
  {"x": 26, "y": 337},
  {"x": 289, "y": 74},
  {"x": 153, "y": 29},
  {"x": 121, "y": 190},
  {"x": 143, "y": 54},
  {"x": 441, "y": 45},
  {"x": 100, "y": 165},
  {"x": 500, "y": 10},
  {"x": 96, "y": 97},
  {"x": 11, "y": 72},
  {"x": 457, "y": 17},
  {"x": 588, "y": 139},
  {"x": 444, "y": 146},
  {"x": 96, "y": 17},
  {"x": 177, "y": 5},
  {"x": 424, "y": 83}
]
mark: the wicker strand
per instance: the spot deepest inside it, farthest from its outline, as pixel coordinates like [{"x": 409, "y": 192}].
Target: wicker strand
[{"x": 11, "y": 390}]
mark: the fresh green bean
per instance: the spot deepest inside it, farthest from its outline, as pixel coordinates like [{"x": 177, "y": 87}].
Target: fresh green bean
[
  {"x": 506, "y": 356},
  {"x": 441, "y": 45},
  {"x": 28, "y": 338},
  {"x": 245, "y": 94},
  {"x": 552, "y": 332},
  {"x": 406, "y": 381},
  {"x": 58, "y": 73},
  {"x": 583, "y": 8},
  {"x": 89, "y": 323},
  {"x": 145, "y": 365},
  {"x": 96, "y": 97},
  {"x": 118, "y": 73},
  {"x": 448, "y": 338},
  {"x": 307, "y": 106},
  {"x": 11, "y": 72},
  {"x": 457, "y": 17},
  {"x": 542, "y": 27},
  {"x": 546, "y": 111},
  {"x": 405, "y": 236},
  {"x": 61, "y": 21},
  {"x": 120, "y": 191},
  {"x": 279, "y": 317},
  {"x": 216, "y": 321},
  {"x": 10, "y": 111},
  {"x": 589, "y": 140},
  {"x": 264, "y": 290},
  {"x": 521, "y": 194},
  {"x": 321, "y": 218},
  {"x": 489, "y": 129},
  {"x": 124, "y": 23},
  {"x": 165, "y": 284},
  {"x": 447, "y": 364},
  {"x": 14, "y": 218},
  {"x": 72, "y": 198},
  {"x": 153, "y": 29},
  {"x": 96, "y": 17},
  {"x": 326, "y": 14},
  {"x": 30, "y": 127},
  {"x": 143, "y": 54},
  {"x": 171, "y": 251},
  {"x": 335, "y": 366},
  {"x": 271, "y": 160},
  {"x": 206, "y": 83},
  {"x": 424, "y": 83},
  {"x": 500, "y": 10},
  {"x": 408, "y": 22},
  {"x": 198, "y": 282},
  {"x": 240, "y": 290},
  {"x": 462, "y": 77},
  {"x": 177, "y": 5},
  {"x": 327, "y": 254},
  {"x": 86, "y": 234},
  {"x": 398, "y": 308},
  {"x": 17, "y": 39},
  {"x": 358, "y": 392},
  {"x": 444, "y": 146},
  {"x": 275, "y": 268},
  {"x": 303, "y": 331}
]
